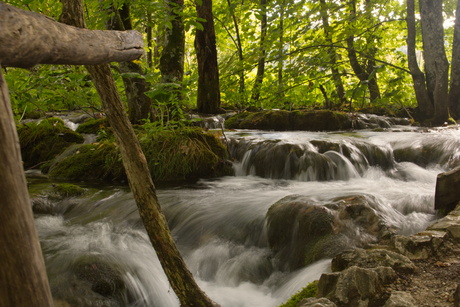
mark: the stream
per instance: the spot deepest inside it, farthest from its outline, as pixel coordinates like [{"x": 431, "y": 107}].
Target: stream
[{"x": 219, "y": 224}]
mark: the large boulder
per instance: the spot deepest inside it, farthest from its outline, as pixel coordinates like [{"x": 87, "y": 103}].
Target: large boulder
[
  {"x": 301, "y": 230},
  {"x": 316, "y": 302},
  {"x": 282, "y": 120},
  {"x": 447, "y": 194},
  {"x": 371, "y": 259},
  {"x": 400, "y": 299},
  {"x": 355, "y": 286}
]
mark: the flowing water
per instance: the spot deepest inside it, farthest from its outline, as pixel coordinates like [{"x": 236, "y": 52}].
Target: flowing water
[{"x": 219, "y": 224}]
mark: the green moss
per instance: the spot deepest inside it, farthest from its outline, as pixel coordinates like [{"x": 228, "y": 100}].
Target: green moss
[
  {"x": 309, "y": 291},
  {"x": 92, "y": 162},
  {"x": 44, "y": 141},
  {"x": 183, "y": 154},
  {"x": 92, "y": 126},
  {"x": 68, "y": 190}
]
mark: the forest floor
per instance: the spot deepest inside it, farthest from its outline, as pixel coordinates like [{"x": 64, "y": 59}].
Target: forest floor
[{"x": 433, "y": 284}]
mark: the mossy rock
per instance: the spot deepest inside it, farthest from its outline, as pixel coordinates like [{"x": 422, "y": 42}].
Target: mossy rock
[
  {"x": 91, "y": 162},
  {"x": 68, "y": 190},
  {"x": 42, "y": 142},
  {"x": 92, "y": 125},
  {"x": 171, "y": 155},
  {"x": 308, "y": 291},
  {"x": 282, "y": 120}
]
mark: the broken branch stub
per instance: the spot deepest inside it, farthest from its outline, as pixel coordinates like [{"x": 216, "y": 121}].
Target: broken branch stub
[{"x": 28, "y": 38}]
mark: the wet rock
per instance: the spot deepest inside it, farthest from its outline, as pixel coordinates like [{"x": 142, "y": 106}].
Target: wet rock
[
  {"x": 371, "y": 259},
  {"x": 400, "y": 299},
  {"x": 316, "y": 302},
  {"x": 301, "y": 230},
  {"x": 283, "y": 120},
  {"x": 354, "y": 286},
  {"x": 94, "y": 282},
  {"x": 447, "y": 194},
  {"x": 42, "y": 205}
]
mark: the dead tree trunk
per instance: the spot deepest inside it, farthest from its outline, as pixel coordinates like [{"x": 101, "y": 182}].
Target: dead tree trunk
[{"x": 141, "y": 184}]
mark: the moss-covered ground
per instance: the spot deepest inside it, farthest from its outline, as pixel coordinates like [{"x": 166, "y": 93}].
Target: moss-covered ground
[
  {"x": 42, "y": 142},
  {"x": 308, "y": 291}
]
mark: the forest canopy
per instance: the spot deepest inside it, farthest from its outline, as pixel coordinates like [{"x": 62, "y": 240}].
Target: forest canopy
[{"x": 349, "y": 56}]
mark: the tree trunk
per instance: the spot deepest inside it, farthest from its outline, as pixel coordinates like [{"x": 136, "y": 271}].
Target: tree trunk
[
  {"x": 280, "y": 93},
  {"x": 22, "y": 269},
  {"x": 332, "y": 56},
  {"x": 363, "y": 72},
  {"x": 38, "y": 43},
  {"x": 240, "y": 55},
  {"x": 149, "y": 30},
  {"x": 208, "y": 100},
  {"x": 172, "y": 56},
  {"x": 454, "y": 92},
  {"x": 143, "y": 190},
  {"x": 261, "y": 63},
  {"x": 435, "y": 55},
  {"x": 139, "y": 104},
  {"x": 423, "y": 100}
]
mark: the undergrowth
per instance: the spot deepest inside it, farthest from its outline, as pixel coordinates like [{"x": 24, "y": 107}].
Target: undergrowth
[{"x": 308, "y": 291}]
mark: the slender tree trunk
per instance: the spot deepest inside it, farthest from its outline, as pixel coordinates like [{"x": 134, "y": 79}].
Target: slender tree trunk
[
  {"x": 418, "y": 77},
  {"x": 208, "y": 100},
  {"x": 261, "y": 63},
  {"x": 437, "y": 64},
  {"x": 240, "y": 54},
  {"x": 454, "y": 92},
  {"x": 143, "y": 190},
  {"x": 332, "y": 56},
  {"x": 362, "y": 72},
  {"x": 139, "y": 104},
  {"x": 173, "y": 54},
  {"x": 280, "y": 93},
  {"x": 148, "y": 30},
  {"x": 22, "y": 269}
]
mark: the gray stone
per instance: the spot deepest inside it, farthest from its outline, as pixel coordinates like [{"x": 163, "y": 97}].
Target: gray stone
[
  {"x": 414, "y": 247},
  {"x": 447, "y": 194},
  {"x": 371, "y": 259},
  {"x": 352, "y": 287},
  {"x": 400, "y": 299},
  {"x": 316, "y": 302}
]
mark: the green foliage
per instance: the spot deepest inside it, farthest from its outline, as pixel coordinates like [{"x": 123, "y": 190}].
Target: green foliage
[
  {"x": 42, "y": 142},
  {"x": 308, "y": 291}
]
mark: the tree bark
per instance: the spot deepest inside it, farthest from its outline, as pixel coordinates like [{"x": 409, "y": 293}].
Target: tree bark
[
  {"x": 28, "y": 38},
  {"x": 240, "y": 55},
  {"x": 261, "y": 63},
  {"x": 280, "y": 93},
  {"x": 139, "y": 104},
  {"x": 363, "y": 72},
  {"x": 418, "y": 77},
  {"x": 332, "y": 56},
  {"x": 435, "y": 56},
  {"x": 22, "y": 268},
  {"x": 143, "y": 190},
  {"x": 173, "y": 55},
  {"x": 208, "y": 100},
  {"x": 454, "y": 92}
]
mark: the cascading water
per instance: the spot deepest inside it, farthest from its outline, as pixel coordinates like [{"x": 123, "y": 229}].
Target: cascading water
[{"x": 219, "y": 225}]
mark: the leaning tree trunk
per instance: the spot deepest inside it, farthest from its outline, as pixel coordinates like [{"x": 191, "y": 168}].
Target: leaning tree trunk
[
  {"x": 22, "y": 269},
  {"x": 142, "y": 187},
  {"x": 454, "y": 92},
  {"x": 261, "y": 63},
  {"x": 418, "y": 77},
  {"x": 241, "y": 90},
  {"x": 208, "y": 100}
]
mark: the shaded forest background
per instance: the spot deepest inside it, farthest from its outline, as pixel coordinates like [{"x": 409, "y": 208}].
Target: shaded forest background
[{"x": 350, "y": 56}]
